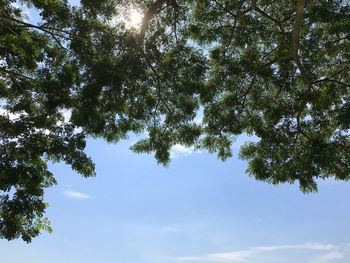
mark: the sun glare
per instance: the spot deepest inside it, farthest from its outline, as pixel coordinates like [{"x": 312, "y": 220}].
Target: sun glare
[{"x": 135, "y": 18}]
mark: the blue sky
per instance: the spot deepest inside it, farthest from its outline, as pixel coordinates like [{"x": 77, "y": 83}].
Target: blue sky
[{"x": 197, "y": 210}]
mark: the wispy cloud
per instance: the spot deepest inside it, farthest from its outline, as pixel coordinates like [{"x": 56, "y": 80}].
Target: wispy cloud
[
  {"x": 76, "y": 195},
  {"x": 331, "y": 256},
  {"x": 326, "y": 253},
  {"x": 311, "y": 246}
]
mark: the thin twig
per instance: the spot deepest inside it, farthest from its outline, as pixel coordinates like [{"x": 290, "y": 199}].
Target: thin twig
[
  {"x": 52, "y": 34},
  {"x": 278, "y": 59},
  {"x": 14, "y": 73},
  {"x": 264, "y": 14}
]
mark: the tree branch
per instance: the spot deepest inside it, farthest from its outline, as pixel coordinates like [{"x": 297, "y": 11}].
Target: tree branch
[
  {"x": 46, "y": 30},
  {"x": 332, "y": 80},
  {"x": 296, "y": 38},
  {"x": 152, "y": 9},
  {"x": 329, "y": 78},
  {"x": 38, "y": 26},
  {"x": 14, "y": 73},
  {"x": 278, "y": 59},
  {"x": 158, "y": 79},
  {"x": 264, "y": 14},
  {"x": 295, "y": 54}
]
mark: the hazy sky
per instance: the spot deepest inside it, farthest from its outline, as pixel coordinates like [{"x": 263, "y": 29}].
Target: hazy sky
[{"x": 197, "y": 210}]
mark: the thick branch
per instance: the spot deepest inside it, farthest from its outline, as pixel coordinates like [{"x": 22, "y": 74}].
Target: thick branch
[
  {"x": 294, "y": 50},
  {"x": 297, "y": 26},
  {"x": 296, "y": 38}
]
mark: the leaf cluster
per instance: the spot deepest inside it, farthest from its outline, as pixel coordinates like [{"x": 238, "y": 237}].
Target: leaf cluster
[{"x": 251, "y": 67}]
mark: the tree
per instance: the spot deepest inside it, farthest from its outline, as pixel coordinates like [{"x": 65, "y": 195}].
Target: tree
[
  {"x": 37, "y": 80},
  {"x": 281, "y": 74}
]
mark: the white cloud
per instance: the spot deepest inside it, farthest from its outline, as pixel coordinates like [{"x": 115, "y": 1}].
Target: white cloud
[
  {"x": 179, "y": 150},
  {"x": 320, "y": 253},
  {"x": 2, "y": 63},
  {"x": 25, "y": 11},
  {"x": 66, "y": 115},
  {"x": 15, "y": 5},
  {"x": 17, "y": 116},
  {"x": 12, "y": 116},
  {"x": 26, "y": 15},
  {"x": 76, "y": 195},
  {"x": 198, "y": 120}
]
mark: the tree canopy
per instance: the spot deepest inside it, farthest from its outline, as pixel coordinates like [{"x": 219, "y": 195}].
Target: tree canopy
[{"x": 278, "y": 70}]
